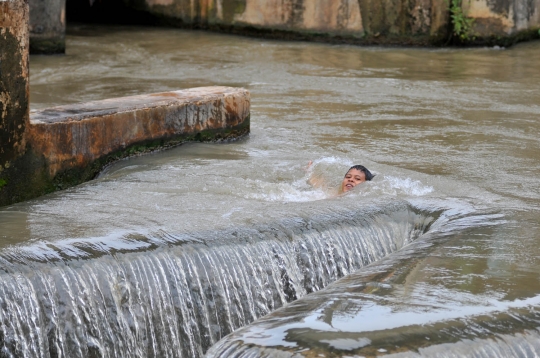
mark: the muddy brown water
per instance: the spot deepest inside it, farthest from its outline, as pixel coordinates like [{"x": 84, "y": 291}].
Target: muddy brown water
[{"x": 452, "y": 134}]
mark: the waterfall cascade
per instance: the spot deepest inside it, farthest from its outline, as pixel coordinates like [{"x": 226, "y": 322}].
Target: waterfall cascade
[{"x": 166, "y": 295}]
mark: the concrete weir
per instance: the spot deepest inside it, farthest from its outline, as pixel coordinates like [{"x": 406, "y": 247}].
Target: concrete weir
[{"x": 68, "y": 145}]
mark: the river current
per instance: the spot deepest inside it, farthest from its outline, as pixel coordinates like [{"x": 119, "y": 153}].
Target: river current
[{"x": 166, "y": 254}]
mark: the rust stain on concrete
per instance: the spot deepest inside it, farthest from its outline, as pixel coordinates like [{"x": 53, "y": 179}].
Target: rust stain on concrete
[
  {"x": 333, "y": 16},
  {"x": 14, "y": 90},
  {"x": 159, "y": 2},
  {"x": 358, "y": 21},
  {"x": 77, "y": 135},
  {"x": 266, "y": 13},
  {"x": 343, "y": 15},
  {"x": 490, "y": 20}
]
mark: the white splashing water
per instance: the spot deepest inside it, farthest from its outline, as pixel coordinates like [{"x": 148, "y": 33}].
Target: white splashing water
[
  {"x": 166, "y": 295},
  {"x": 329, "y": 170}
]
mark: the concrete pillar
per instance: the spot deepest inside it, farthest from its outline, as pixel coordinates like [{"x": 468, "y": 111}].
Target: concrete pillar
[
  {"x": 47, "y": 26},
  {"x": 14, "y": 114}
]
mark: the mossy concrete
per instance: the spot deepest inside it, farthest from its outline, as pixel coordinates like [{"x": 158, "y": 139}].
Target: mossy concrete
[
  {"x": 14, "y": 91},
  {"x": 48, "y": 46},
  {"x": 47, "y": 26},
  {"x": 69, "y": 145},
  {"x": 362, "y": 22}
]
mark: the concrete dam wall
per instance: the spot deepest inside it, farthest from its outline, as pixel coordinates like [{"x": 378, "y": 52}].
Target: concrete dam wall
[
  {"x": 402, "y": 22},
  {"x": 47, "y": 26},
  {"x": 351, "y": 19},
  {"x": 392, "y": 22}
]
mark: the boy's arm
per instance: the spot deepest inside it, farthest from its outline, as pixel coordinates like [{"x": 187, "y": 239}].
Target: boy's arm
[{"x": 315, "y": 180}]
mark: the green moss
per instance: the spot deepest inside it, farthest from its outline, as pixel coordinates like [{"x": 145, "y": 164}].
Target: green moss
[
  {"x": 506, "y": 41},
  {"x": 13, "y": 111},
  {"x": 232, "y": 8},
  {"x": 77, "y": 176},
  {"x": 48, "y": 46},
  {"x": 33, "y": 167}
]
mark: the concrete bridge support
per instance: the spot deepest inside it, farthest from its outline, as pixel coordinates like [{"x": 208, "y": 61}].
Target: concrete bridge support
[
  {"x": 14, "y": 93},
  {"x": 47, "y": 26},
  {"x": 400, "y": 22},
  {"x": 394, "y": 22}
]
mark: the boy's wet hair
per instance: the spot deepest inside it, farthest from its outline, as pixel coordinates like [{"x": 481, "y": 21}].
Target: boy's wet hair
[{"x": 363, "y": 169}]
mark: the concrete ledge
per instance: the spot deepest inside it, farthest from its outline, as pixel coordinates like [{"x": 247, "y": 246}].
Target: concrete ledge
[{"x": 68, "y": 145}]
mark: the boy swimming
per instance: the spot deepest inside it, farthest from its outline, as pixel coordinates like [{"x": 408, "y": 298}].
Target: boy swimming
[{"x": 357, "y": 174}]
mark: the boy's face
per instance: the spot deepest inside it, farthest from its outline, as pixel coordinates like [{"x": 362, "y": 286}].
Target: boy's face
[{"x": 352, "y": 179}]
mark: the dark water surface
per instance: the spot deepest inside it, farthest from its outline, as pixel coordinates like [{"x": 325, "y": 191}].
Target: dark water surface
[{"x": 448, "y": 229}]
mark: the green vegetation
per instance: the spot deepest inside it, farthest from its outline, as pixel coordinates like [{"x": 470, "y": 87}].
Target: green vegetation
[
  {"x": 462, "y": 25},
  {"x": 3, "y": 183}
]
